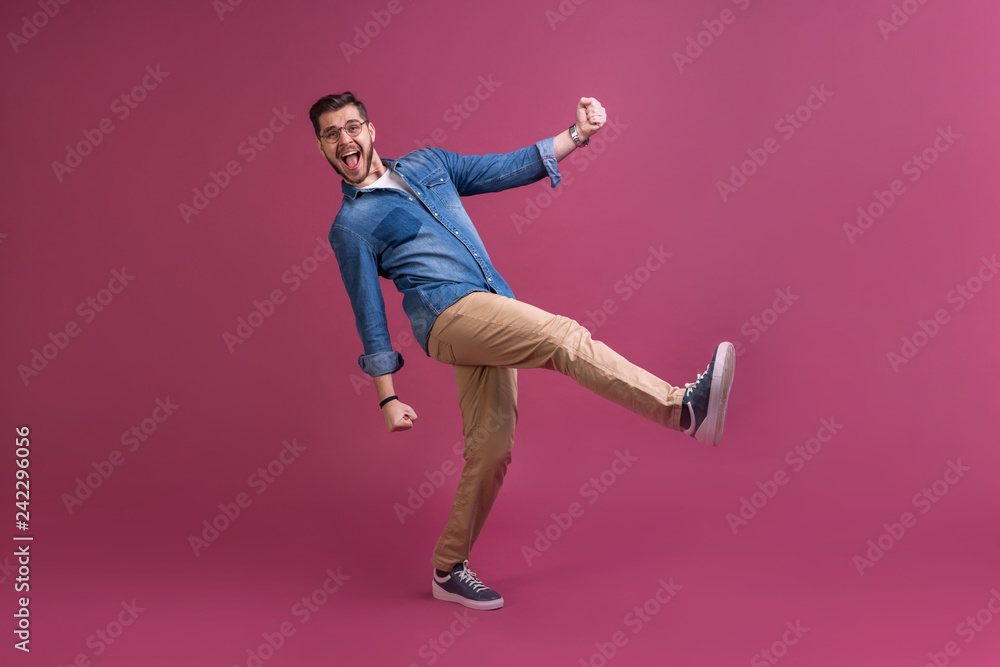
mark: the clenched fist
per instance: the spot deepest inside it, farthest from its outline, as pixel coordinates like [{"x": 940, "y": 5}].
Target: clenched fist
[
  {"x": 398, "y": 416},
  {"x": 590, "y": 117}
]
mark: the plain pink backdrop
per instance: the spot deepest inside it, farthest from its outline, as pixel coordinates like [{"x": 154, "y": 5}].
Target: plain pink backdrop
[{"x": 651, "y": 182}]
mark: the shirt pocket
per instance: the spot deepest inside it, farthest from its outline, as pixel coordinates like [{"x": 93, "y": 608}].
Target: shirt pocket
[{"x": 444, "y": 191}]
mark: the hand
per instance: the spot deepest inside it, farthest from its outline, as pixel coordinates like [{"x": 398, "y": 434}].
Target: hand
[
  {"x": 590, "y": 117},
  {"x": 398, "y": 416}
]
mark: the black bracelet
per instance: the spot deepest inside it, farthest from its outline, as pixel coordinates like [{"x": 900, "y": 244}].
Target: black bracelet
[{"x": 386, "y": 400}]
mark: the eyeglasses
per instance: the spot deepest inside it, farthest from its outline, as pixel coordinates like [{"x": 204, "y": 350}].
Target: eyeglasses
[{"x": 353, "y": 129}]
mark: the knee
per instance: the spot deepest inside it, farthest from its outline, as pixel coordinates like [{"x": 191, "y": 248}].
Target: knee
[
  {"x": 497, "y": 423},
  {"x": 488, "y": 463},
  {"x": 565, "y": 336},
  {"x": 495, "y": 438},
  {"x": 498, "y": 460}
]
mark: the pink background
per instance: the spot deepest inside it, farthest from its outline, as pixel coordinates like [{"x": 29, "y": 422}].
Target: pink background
[{"x": 652, "y": 183}]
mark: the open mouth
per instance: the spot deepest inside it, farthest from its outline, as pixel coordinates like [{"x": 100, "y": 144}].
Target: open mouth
[{"x": 352, "y": 158}]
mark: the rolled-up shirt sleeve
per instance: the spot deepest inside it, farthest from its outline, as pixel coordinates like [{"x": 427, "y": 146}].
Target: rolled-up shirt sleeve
[
  {"x": 547, "y": 149},
  {"x": 359, "y": 271}
]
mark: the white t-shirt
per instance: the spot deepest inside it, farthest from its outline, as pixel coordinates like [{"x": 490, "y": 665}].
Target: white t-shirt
[{"x": 391, "y": 179}]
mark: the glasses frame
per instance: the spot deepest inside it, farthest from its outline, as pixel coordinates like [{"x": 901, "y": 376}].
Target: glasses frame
[{"x": 336, "y": 132}]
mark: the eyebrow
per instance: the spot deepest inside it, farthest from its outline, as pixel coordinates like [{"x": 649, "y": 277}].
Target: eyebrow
[{"x": 334, "y": 127}]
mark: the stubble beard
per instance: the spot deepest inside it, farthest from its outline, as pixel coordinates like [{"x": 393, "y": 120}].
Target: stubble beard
[{"x": 367, "y": 153}]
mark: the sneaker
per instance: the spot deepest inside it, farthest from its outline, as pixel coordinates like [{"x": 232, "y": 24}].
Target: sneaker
[
  {"x": 706, "y": 397},
  {"x": 462, "y": 585}
]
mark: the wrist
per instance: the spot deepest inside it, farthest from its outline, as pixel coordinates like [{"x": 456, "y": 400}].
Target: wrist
[
  {"x": 386, "y": 400},
  {"x": 579, "y": 139}
]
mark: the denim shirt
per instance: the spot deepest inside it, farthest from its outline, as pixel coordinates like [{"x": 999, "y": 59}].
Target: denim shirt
[{"x": 427, "y": 246}]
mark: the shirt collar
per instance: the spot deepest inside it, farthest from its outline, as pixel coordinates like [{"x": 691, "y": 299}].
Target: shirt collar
[{"x": 352, "y": 192}]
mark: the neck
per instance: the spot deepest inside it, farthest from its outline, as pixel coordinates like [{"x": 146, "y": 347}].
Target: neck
[{"x": 375, "y": 173}]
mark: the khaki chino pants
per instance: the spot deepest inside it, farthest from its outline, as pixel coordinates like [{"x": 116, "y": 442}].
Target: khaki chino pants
[{"x": 487, "y": 337}]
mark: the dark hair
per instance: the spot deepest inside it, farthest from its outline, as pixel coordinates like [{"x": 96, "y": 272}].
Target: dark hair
[{"x": 335, "y": 103}]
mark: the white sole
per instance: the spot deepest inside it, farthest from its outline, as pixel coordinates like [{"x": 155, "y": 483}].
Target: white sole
[
  {"x": 441, "y": 594},
  {"x": 710, "y": 431}
]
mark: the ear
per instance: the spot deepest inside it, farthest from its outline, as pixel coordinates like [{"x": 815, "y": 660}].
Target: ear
[{"x": 371, "y": 129}]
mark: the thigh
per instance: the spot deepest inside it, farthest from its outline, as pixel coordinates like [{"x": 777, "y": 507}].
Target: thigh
[
  {"x": 486, "y": 329},
  {"x": 487, "y": 396}
]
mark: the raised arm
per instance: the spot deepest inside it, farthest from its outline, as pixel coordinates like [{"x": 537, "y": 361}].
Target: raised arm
[{"x": 494, "y": 172}]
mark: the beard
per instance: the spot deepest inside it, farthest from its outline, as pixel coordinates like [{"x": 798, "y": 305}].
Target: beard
[{"x": 366, "y": 157}]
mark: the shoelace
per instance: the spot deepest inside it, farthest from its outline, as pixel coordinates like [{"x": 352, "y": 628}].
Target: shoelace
[
  {"x": 469, "y": 577},
  {"x": 691, "y": 385}
]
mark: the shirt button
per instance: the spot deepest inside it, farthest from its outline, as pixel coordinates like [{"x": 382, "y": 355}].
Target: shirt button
[
  {"x": 490, "y": 279},
  {"x": 411, "y": 198},
  {"x": 435, "y": 215},
  {"x": 475, "y": 254},
  {"x": 442, "y": 179}
]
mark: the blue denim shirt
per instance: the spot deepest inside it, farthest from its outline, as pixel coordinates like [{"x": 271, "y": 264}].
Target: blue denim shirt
[{"x": 427, "y": 246}]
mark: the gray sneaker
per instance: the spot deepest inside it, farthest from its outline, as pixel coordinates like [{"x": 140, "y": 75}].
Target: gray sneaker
[{"x": 461, "y": 585}]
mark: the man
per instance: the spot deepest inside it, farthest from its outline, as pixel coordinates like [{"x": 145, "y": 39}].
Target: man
[{"x": 403, "y": 219}]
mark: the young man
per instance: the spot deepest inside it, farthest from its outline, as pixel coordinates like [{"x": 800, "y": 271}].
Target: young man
[{"x": 403, "y": 219}]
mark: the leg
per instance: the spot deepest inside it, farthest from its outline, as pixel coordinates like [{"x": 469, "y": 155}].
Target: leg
[
  {"x": 488, "y": 399},
  {"x": 486, "y": 329}
]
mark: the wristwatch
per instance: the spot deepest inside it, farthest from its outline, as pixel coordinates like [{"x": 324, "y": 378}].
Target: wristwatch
[{"x": 575, "y": 136}]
